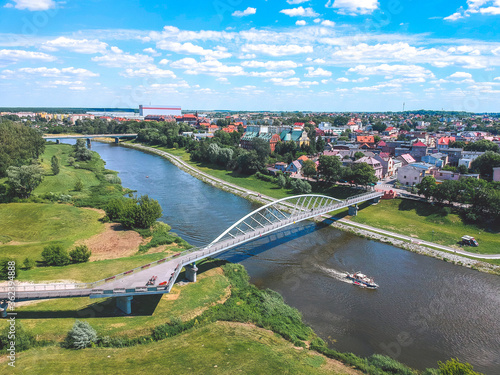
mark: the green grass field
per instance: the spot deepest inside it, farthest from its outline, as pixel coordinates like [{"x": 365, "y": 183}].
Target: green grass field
[
  {"x": 218, "y": 348},
  {"x": 427, "y": 222},
  {"x": 64, "y": 182},
  {"x": 32, "y": 226}
]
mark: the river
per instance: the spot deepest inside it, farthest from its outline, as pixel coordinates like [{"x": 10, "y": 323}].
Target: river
[{"x": 425, "y": 310}]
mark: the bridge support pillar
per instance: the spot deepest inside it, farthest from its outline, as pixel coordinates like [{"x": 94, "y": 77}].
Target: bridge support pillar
[
  {"x": 58, "y": 141},
  {"x": 353, "y": 210},
  {"x": 125, "y": 304},
  {"x": 4, "y": 306},
  {"x": 89, "y": 143},
  {"x": 376, "y": 200},
  {"x": 117, "y": 140},
  {"x": 191, "y": 272}
]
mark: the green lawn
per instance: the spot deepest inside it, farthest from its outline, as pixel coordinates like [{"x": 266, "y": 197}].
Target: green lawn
[
  {"x": 218, "y": 348},
  {"x": 32, "y": 226},
  {"x": 64, "y": 182},
  {"x": 52, "y": 319},
  {"x": 427, "y": 222}
]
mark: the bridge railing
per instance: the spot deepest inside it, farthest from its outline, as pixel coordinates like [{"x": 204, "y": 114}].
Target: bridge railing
[{"x": 31, "y": 287}]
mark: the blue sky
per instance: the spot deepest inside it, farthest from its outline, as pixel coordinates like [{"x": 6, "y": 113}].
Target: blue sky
[{"x": 328, "y": 55}]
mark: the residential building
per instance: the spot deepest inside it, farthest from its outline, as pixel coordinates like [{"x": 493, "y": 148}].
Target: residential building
[
  {"x": 388, "y": 166},
  {"x": 412, "y": 174},
  {"x": 374, "y": 163}
]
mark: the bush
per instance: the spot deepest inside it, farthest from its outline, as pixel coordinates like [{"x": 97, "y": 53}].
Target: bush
[
  {"x": 80, "y": 254},
  {"x": 78, "y": 185},
  {"x": 6, "y": 265},
  {"x": 134, "y": 213},
  {"x": 24, "y": 339},
  {"x": 113, "y": 179},
  {"x": 55, "y": 255},
  {"x": 81, "y": 336},
  {"x": 29, "y": 263},
  {"x": 389, "y": 365}
]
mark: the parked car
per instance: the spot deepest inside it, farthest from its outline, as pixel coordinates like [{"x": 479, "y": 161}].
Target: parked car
[{"x": 469, "y": 241}]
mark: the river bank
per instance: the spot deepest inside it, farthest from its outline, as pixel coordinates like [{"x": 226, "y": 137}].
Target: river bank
[{"x": 413, "y": 245}]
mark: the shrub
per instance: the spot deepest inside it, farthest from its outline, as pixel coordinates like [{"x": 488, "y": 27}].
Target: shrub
[
  {"x": 455, "y": 367},
  {"x": 78, "y": 185},
  {"x": 24, "y": 339},
  {"x": 80, "y": 254},
  {"x": 6, "y": 265},
  {"x": 29, "y": 263},
  {"x": 389, "y": 365},
  {"x": 113, "y": 179},
  {"x": 55, "y": 255},
  {"x": 82, "y": 335}
]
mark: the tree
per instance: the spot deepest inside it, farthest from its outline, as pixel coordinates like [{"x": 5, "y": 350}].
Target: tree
[
  {"x": 363, "y": 174},
  {"x": 80, "y": 254},
  {"x": 147, "y": 212},
  {"x": 281, "y": 181},
  {"x": 54, "y": 163},
  {"x": 8, "y": 268},
  {"x": 320, "y": 144},
  {"x": 82, "y": 335},
  {"x": 358, "y": 155},
  {"x": 455, "y": 367},
  {"x": 330, "y": 168},
  {"x": 485, "y": 163},
  {"x": 262, "y": 148},
  {"x": 309, "y": 168},
  {"x": 427, "y": 187},
  {"x": 55, "y": 255},
  {"x": 482, "y": 145},
  {"x": 78, "y": 185},
  {"x": 23, "y": 180},
  {"x": 82, "y": 153},
  {"x": 71, "y": 161},
  {"x": 249, "y": 162},
  {"x": 462, "y": 169},
  {"x": 29, "y": 263},
  {"x": 301, "y": 186},
  {"x": 379, "y": 126}
]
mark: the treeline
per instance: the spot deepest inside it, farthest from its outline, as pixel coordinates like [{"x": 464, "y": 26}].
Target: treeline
[
  {"x": 19, "y": 145},
  {"x": 480, "y": 200}
]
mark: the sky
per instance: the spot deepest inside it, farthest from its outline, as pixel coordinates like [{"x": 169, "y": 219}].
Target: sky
[{"x": 252, "y": 55}]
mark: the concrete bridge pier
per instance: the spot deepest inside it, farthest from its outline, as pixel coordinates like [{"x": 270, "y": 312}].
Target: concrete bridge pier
[
  {"x": 376, "y": 200},
  {"x": 58, "y": 141},
  {"x": 125, "y": 304},
  {"x": 117, "y": 140},
  {"x": 353, "y": 210},
  {"x": 4, "y": 306},
  {"x": 89, "y": 143},
  {"x": 191, "y": 270}
]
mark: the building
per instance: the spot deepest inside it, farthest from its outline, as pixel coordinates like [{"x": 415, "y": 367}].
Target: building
[
  {"x": 165, "y": 110},
  {"x": 413, "y": 174},
  {"x": 496, "y": 174},
  {"x": 437, "y": 159},
  {"x": 418, "y": 150},
  {"x": 388, "y": 166},
  {"x": 374, "y": 163}
]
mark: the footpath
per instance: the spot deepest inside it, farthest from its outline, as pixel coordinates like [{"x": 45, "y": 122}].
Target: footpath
[{"x": 409, "y": 243}]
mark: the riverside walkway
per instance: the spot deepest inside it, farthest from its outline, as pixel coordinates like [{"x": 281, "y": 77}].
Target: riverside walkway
[{"x": 266, "y": 219}]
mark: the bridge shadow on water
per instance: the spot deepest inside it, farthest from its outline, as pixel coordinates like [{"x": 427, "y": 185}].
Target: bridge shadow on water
[{"x": 272, "y": 240}]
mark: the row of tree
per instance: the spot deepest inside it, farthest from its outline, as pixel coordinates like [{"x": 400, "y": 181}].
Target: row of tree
[
  {"x": 331, "y": 171},
  {"x": 480, "y": 200}
]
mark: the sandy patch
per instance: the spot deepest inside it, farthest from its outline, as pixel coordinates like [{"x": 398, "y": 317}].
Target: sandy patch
[{"x": 114, "y": 242}]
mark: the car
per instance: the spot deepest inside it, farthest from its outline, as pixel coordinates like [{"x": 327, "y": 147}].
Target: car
[{"x": 469, "y": 241}]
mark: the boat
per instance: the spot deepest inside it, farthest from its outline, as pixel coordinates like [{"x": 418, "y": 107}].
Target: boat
[{"x": 361, "y": 280}]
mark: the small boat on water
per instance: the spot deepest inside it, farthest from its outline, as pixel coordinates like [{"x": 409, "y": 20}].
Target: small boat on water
[{"x": 362, "y": 280}]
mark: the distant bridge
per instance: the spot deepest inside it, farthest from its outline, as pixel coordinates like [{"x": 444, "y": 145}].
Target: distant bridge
[
  {"x": 88, "y": 137},
  {"x": 264, "y": 220}
]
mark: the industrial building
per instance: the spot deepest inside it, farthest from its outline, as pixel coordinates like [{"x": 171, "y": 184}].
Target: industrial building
[{"x": 160, "y": 110}]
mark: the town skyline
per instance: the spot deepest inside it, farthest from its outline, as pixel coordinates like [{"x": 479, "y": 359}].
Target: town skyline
[{"x": 294, "y": 55}]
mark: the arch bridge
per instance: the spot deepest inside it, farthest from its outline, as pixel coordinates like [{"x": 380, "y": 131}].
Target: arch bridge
[{"x": 264, "y": 220}]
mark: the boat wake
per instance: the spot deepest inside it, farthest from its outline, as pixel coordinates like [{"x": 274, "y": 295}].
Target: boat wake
[{"x": 338, "y": 275}]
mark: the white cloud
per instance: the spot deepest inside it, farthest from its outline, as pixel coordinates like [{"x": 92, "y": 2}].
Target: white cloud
[
  {"x": 353, "y": 7},
  {"x": 32, "y": 5},
  {"x": 413, "y": 71},
  {"x": 496, "y": 79},
  {"x": 123, "y": 60},
  {"x": 210, "y": 67},
  {"x": 164, "y": 62},
  {"x": 78, "y": 88},
  {"x": 342, "y": 79},
  {"x": 52, "y": 72},
  {"x": 461, "y": 75},
  {"x": 293, "y": 2},
  {"x": 328, "y": 23},
  {"x": 301, "y": 23},
  {"x": 277, "y": 50},
  {"x": 300, "y": 12},
  {"x": 12, "y": 56},
  {"x": 317, "y": 20},
  {"x": 246, "y": 12},
  {"x": 191, "y": 49},
  {"x": 65, "y": 83},
  {"x": 272, "y": 74},
  {"x": 151, "y": 51},
  {"x": 270, "y": 65},
  {"x": 75, "y": 45},
  {"x": 223, "y": 80},
  {"x": 151, "y": 71},
  {"x": 486, "y": 7},
  {"x": 319, "y": 72},
  {"x": 292, "y": 82}
]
